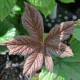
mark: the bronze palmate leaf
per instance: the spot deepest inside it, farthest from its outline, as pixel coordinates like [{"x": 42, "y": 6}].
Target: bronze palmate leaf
[{"x": 39, "y": 50}]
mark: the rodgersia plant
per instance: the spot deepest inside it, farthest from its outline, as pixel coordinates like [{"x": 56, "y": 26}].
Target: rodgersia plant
[{"x": 37, "y": 49}]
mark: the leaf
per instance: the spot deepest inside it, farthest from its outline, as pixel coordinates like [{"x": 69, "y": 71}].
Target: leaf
[
  {"x": 65, "y": 51},
  {"x": 65, "y": 68},
  {"x": 40, "y": 3},
  {"x": 67, "y": 1},
  {"x": 74, "y": 43},
  {"x": 6, "y": 8},
  {"x": 35, "y": 78},
  {"x": 46, "y": 75},
  {"x": 45, "y": 6},
  {"x": 60, "y": 32},
  {"x": 34, "y": 47},
  {"x": 48, "y": 62},
  {"x": 4, "y": 26},
  {"x": 7, "y": 31},
  {"x": 72, "y": 65},
  {"x": 21, "y": 44},
  {"x": 15, "y": 20},
  {"x": 33, "y": 63},
  {"x": 61, "y": 50},
  {"x": 33, "y": 22},
  {"x": 10, "y": 34},
  {"x": 54, "y": 39},
  {"x": 76, "y": 33},
  {"x": 68, "y": 71}
]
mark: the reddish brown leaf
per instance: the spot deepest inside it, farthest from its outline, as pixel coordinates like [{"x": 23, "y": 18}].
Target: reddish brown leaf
[
  {"x": 67, "y": 52},
  {"x": 60, "y": 33},
  {"x": 22, "y": 44},
  {"x": 48, "y": 62},
  {"x": 61, "y": 50},
  {"x": 33, "y": 63},
  {"x": 34, "y": 43},
  {"x": 33, "y": 22}
]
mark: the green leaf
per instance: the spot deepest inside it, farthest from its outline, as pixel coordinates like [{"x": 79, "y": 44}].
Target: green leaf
[
  {"x": 65, "y": 68},
  {"x": 44, "y": 35},
  {"x": 3, "y": 49},
  {"x": 35, "y": 78},
  {"x": 16, "y": 10},
  {"x": 10, "y": 34},
  {"x": 7, "y": 30},
  {"x": 46, "y": 75},
  {"x": 6, "y": 7},
  {"x": 16, "y": 21},
  {"x": 4, "y": 26},
  {"x": 67, "y": 1},
  {"x": 69, "y": 71},
  {"x": 76, "y": 33},
  {"x": 45, "y": 6}
]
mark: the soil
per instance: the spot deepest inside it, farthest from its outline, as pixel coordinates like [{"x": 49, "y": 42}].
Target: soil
[
  {"x": 11, "y": 67},
  {"x": 10, "y": 74}
]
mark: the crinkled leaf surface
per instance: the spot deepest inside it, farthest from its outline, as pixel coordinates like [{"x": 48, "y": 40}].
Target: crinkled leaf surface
[
  {"x": 58, "y": 34},
  {"x": 48, "y": 62},
  {"x": 6, "y": 8},
  {"x": 34, "y": 46},
  {"x": 67, "y": 68},
  {"x": 33, "y": 22},
  {"x": 22, "y": 44},
  {"x": 34, "y": 63},
  {"x": 61, "y": 32}
]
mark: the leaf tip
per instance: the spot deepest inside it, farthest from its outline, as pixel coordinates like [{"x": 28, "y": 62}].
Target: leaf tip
[
  {"x": 67, "y": 55},
  {"x": 26, "y": 4}
]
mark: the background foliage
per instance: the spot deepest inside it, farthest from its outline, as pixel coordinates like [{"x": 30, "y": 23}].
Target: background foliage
[{"x": 11, "y": 26}]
